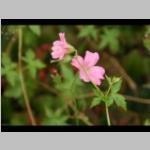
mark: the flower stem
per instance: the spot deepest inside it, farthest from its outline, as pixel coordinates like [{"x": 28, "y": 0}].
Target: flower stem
[
  {"x": 25, "y": 95},
  {"x": 107, "y": 115},
  {"x": 107, "y": 112},
  {"x": 98, "y": 90}
]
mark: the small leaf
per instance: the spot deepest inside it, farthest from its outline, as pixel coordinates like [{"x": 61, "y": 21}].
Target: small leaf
[
  {"x": 54, "y": 118},
  {"x": 114, "y": 46},
  {"x": 35, "y": 29},
  {"x": 9, "y": 69},
  {"x": 57, "y": 79},
  {"x": 146, "y": 43},
  {"x": 115, "y": 79},
  {"x": 110, "y": 39},
  {"x": 14, "y": 91},
  {"x": 146, "y": 40},
  {"x": 5, "y": 59},
  {"x": 32, "y": 71},
  {"x": 116, "y": 86},
  {"x": 67, "y": 73},
  {"x": 29, "y": 56},
  {"x": 96, "y": 101},
  {"x": 39, "y": 64},
  {"x": 108, "y": 80},
  {"x": 12, "y": 77},
  {"x": 98, "y": 93},
  {"x": 30, "y": 39},
  {"x": 33, "y": 64},
  {"x": 120, "y": 101},
  {"x": 89, "y": 30},
  {"x": 103, "y": 44},
  {"x": 109, "y": 101}
]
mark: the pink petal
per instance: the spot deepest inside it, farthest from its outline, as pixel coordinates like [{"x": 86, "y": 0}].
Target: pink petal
[
  {"x": 77, "y": 62},
  {"x": 62, "y": 37},
  {"x": 90, "y": 58},
  {"x": 58, "y": 52},
  {"x": 96, "y": 81},
  {"x": 56, "y": 43},
  {"x": 84, "y": 76},
  {"x": 96, "y": 74},
  {"x": 60, "y": 47}
]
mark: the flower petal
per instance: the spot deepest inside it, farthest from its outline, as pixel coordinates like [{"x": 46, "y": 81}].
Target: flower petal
[
  {"x": 84, "y": 76},
  {"x": 90, "y": 58},
  {"x": 62, "y": 37},
  {"x": 58, "y": 52},
  {"x": 96, "y": 74},
  {"x": 77, "y": 62},
  {"x": 96, "y": 81},
  {"x": 56, "y": 43},
  {"x": 60, "y": 47}
]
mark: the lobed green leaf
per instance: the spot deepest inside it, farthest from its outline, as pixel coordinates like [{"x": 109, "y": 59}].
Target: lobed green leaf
[{"x": 35, "y": 29}]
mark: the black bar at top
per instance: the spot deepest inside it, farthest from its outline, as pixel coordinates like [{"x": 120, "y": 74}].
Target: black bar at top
[{"x": 75, "y": 21}]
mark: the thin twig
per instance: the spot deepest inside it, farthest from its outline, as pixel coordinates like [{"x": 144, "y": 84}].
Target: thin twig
[
  {"x": 128, "y": 98},
  {"x": 48, "y": 88},
  {"x": 122, "y": 72},
  {"x": 137, "y": 99},
  {"x": 26, "y": 99}
]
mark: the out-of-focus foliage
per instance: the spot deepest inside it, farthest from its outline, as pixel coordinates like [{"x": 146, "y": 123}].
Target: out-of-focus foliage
[
  {"x": 109, "y": 38},
  {"x": 55, "y": 90},
  {"x": 89, "y": 31},
  {"x": 32, "y": 63},
  {"x": 35, "y": 29},
  {"x": 9, "y": 69},
  {"x": 146, "y": 39}
]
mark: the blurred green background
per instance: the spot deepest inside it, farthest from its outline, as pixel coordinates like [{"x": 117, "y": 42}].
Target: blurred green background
[{"x": 124, "y": 52}]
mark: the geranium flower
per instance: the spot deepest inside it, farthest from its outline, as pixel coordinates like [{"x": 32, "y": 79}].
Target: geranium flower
[
  {"x": 88, "y": 72},
  {"x": 60, "y": 47}
]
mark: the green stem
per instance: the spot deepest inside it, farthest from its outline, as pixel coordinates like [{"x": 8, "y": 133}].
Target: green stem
[
  {"x": 24, "y": 91},
  {"x": 107, "y": 112},
  {"x": 107, "y": 115},
  {"x": 108, "y": 90}
]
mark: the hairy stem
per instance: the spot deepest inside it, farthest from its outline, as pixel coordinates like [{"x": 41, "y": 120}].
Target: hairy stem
[
  {"x": 24, "y": 91},
  {"x": 107, "y": 115},
  {"x": 107, "y": 112}
]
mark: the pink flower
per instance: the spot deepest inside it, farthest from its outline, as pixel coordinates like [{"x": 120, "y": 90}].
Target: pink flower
[
  {"x": 60, "y": 47},
  {"x": 87, "y": 69}
]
